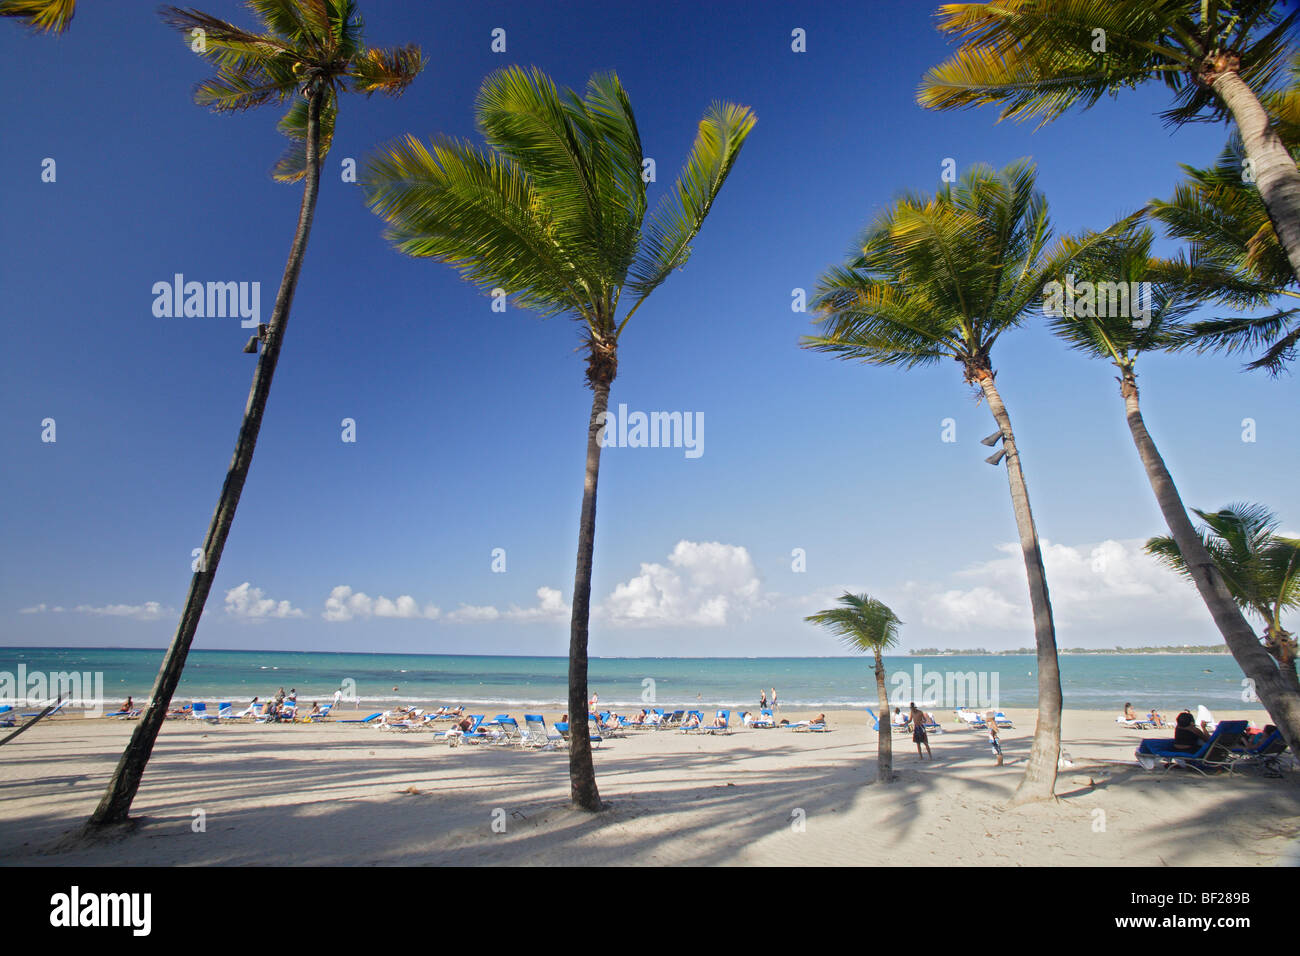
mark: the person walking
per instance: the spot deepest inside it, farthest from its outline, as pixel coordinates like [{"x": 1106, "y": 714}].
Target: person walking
[{"x": 919, "y": 736}]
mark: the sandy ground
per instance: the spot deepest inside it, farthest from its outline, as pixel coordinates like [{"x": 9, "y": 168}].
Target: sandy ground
[{"x": 322, "y": 794}]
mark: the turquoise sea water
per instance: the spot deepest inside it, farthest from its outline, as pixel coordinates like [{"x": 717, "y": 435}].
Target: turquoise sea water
[{"x": 1090, "y": 682}]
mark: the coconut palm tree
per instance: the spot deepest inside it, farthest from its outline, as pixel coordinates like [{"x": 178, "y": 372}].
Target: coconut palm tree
[
  {"x": 866, "y": 624},
  {"x": 1219, "y": 59},
  {"x": 942, "y": 278},
  {"x": 310, "y": 52},
  {"x": 1259, "y": 567},
  {"x": 1118, "y": 265},
  {"x": 44, "y": 16},
  {"x": 1219, "y": 213},
  {"x": 553, "y": 211}
]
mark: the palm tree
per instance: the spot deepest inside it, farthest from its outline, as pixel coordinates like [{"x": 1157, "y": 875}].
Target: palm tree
[
  {"x": 44, "y": 16},
  {"x": 1121, "y": 337},
  {"x": 865, "y": 624},
  {"x": 311, "y": 51},
  {"x": 1259, "y": 567},
  {"x": 1219, "y": 213},
  {"x": 944, "y": 277},
  {"x": 553, "y": 211},
  {"x": 1219, "y": 58}
]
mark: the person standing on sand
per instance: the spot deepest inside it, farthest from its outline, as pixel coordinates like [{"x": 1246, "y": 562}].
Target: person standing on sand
[
  {"x": 774, "y": 698},
  {"x": 919, "y": 736},
  {"x": 762, "y": 699},
  {"x": 338, "y": 696},
  {"x": 994, "y": 743}
]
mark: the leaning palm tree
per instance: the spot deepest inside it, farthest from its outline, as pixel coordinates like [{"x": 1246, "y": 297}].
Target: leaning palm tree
[
  {"x": 1219, "y": 58},
  {"x": 1105, "y": 277},
  {"x": 553, "y": 211},
  {"x": 866, "y": 624},
  {"x": 312, "y": 51},
  {"x": 1218, "y": 212},
  {"x": 1260, "y": 568},
  {"x": 942, "y": 278},
  {"x": 43, "y": 16}
]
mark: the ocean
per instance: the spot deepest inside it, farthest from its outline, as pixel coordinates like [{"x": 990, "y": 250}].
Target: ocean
[{"x": 1090, "y": 682}]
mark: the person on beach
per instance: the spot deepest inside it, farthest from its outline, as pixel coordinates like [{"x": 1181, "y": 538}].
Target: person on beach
[
  {"x": 691, "y": 722},
  {"x": 128, "y": 706},
  {"x": 746, "y": 718},
  {"x": 919, "y": 736},
  {"x": 1187, "y": 736},
  {"x": 181, "y": 711},
  {"x": 898, "y": 719},
  {"x": 1130, "y": 713},
  {"x": 719, "y": 721},
  {"x": 338, "y": 696},
  {"x": 994, "y": 744},
  {"x": 251, "y": 710},
  {"x": 315, "y": 709},
  {"x": 1155, "y": 718},
  {"x": 774, "y": 698},
  {"x": 1254, "y": 740},
  {"x": 762, "y": 700}
]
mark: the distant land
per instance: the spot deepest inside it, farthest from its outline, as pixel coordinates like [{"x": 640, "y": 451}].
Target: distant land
[{"x": 981, "y": 651}]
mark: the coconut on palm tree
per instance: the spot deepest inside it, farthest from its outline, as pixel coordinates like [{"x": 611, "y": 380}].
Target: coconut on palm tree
[
  {"x": 1120, "y": 265},
  {"x": 310, "y": 52},
  {"x": 1219, "y": 58},
  {"x": 553, "y": 211},
  {"x": 942, "y": 278},
  {"x": 866, "y": 624},
  {"x": 1260, "y": 567},
  {"x": 43, "y": 16}
]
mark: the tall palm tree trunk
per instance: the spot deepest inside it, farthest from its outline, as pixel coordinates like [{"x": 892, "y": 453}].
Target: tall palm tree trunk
[
  {"x": 1039, "y": 780},
  {"x": 116, "y": 802},
  {"x": 1275, "y": 171},
  {"x": 582, "y": 772},
  {"x": 1281, "y": 701},
  {"x": 885, "y": 736}
]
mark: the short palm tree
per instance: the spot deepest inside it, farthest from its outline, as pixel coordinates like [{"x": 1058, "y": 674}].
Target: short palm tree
[
  {"x": 866, "y": 624},
  {"x": 1219, "y": 58},
  {"x": 1259, "y": 567},
  {"x": 553, "y": 211},
  {"x": 44, "y": 16},
  {"x": 942, "y": 278},
  {"x": 1121, "y": 337},
  {"x": 312, "y": 51}
]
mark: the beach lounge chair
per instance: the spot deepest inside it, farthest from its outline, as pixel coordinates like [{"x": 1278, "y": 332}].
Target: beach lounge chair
[
  {"x": 725, "y": 727},
  {"x": 805, "y": 726},
  {"x": 199, "y": 711},
  {"x": 224, "y": 711},
  {"x": 673, "y": 720},
  {"x": 363, "y": 720},
  {"x": 8, "y": 716},
  {"x": 1134, "y": 724},
  {"x": 1002, "y": 720},
  {"x": 690, "y": 727},
  {"x": 1266, "y": 755},
  {"x": 594, "y": 731},
  {"x": 323, "y": 715},
  {"x": 1213, "y": 754},
  {"x": 538, "y": 735},
  {"x": 53, "y": 713},
  {"x": 972, "y": 720},
  {"x": 509, "y": 728},
  {"x": 764, "y": 721}
]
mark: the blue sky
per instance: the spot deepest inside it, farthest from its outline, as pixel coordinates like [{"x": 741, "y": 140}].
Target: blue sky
[{"x": 471, "y": 423}]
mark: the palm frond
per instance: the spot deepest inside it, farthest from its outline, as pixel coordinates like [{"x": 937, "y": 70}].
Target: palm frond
[
  {"x": 43, "y": 16},
  {"x": 292, "y": 166},
  {"x": 863, "y": 623}
]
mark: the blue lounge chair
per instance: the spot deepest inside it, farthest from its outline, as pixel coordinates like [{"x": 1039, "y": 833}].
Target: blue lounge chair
[
  {"x": 1213, "y": 754},
  {"x": 1002, "y": 720},
  {"x": 765, "y": 720},
  {"x": 724, "y": 728},
  {"x": 363, "y": 720},
  {"x": 538, "y": 735},
  {"x": 199, "y": 711},
  {"x": 698, "y": 725},
  {"x": 1265, "y": 755},
  {"x": 8, "y": 716}
]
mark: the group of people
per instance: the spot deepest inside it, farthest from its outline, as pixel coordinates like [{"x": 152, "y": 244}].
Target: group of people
[
  {"x": 764, "y": 703},
  {"x": 1153, "y": 717},
  {"x": 918, "y": 720}
]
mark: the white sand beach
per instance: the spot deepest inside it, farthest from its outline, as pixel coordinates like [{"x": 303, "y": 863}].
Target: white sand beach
[{"x": 339, "y": 794}]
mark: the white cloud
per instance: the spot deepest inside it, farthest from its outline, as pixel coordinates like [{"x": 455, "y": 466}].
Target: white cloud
[
  {"x": 343, "y": 604},
  {"x": 1112, "y": 585},
  {"x": 471, "y": 612},
  {"x": 550, "y": 605},
  {"x": 148, "y": 611},
  {"x": 705, "y": 584},
  {"x": 248, "y": 601}
]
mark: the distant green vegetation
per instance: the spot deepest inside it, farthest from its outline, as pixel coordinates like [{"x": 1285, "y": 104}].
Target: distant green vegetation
[{"x": 974, "y": 651}]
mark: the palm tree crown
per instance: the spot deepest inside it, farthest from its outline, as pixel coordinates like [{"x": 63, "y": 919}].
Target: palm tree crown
[
  {"x": 553, "y": 209},
  {"x": 308, "y": 45},
  {"x": 862, "y": 623},
  {"x": 43, "y": 16},
  {"x": 1040, "y": 57}
]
